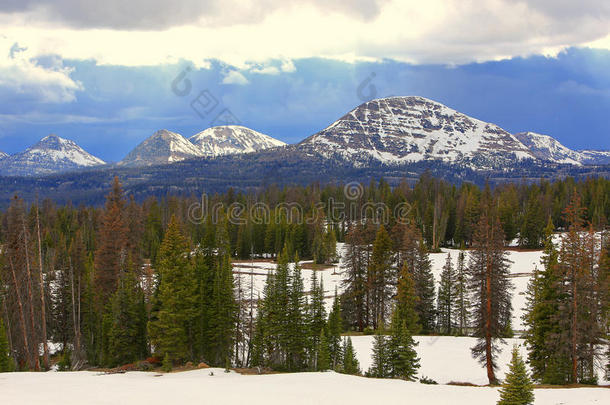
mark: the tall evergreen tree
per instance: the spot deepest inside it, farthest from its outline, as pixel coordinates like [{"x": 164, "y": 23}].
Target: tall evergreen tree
[
  {"x": 447, "y": 297},
  {"x": 316, "y": 317},
  {"x": 350, "y": 361},
  {"x": 297, "y": 340},
  {"x": 424, "y": 289},
  {"x": 111, "y": 254},
  {"x": 406, "y": 300},
  {"x": 380, "y": 277},
  {"x": 462, "y": 300},
  {"x": 518, "y": 388},
  {"x": 580, "y": 314},
  {"x": 171, "y": 329},
  {"x": 127, "y": 334},
  {"x": 381, "y": 367},
  {"x": 223, "y": 308},
  {"x": 355, "y": 282},
  {"x": 335, "y": 326},
  {"x": 403, "y": 359},
  {"x": 546, "y": 355},
  {"x": 323, "y": 354},
  {"x": 491, "y": 290}
]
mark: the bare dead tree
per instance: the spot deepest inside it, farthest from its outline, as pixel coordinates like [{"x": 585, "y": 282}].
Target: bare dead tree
[
  {"x": 35, "y": 356},
  {"x": 43, "y": 312}
]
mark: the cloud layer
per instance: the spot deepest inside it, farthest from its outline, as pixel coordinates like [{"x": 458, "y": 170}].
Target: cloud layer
[{"x": 145, "y": 32}]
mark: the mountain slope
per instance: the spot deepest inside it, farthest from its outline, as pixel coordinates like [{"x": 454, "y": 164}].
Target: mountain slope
[
  {"x": 232, "y": 139},
  {"x": 51, "y": 154},
  {"x": 160, "y": 148},
  {"x": 397, "y": 130},
  {"x": 595, "y": 157},
  {"x": 548, "y": 148}
]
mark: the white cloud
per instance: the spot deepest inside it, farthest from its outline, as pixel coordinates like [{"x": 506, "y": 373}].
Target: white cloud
[
  {"x": 249, "y": 34},
  {"x": 23, "y": 76},
  {"x": 234, "y": 77}
]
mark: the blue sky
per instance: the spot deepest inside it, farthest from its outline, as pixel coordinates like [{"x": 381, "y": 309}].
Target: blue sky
[{"x": 108, "y": 98}]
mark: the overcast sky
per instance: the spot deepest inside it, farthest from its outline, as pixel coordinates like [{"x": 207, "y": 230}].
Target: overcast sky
[{"x": 101, "y": 73}]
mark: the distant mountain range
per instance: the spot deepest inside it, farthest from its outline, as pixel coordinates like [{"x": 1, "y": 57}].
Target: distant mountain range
[{"x": 395, "y": 137}]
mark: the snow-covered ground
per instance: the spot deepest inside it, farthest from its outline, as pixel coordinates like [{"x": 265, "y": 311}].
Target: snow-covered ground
[
  {"x": 198, "y": 387},
  {"x": 523, "y": 262},
  {"x": 443, "y": 358}
]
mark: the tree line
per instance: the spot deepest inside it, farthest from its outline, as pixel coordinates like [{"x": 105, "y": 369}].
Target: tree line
[{"x": 131, "y": 281}]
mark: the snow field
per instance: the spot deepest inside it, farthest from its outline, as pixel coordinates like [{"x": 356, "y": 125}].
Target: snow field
[{"x": 198, "y": 387}]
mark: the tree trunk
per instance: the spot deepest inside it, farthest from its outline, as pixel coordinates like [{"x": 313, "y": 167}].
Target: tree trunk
[
  {"x": 574, "y": 350},
  {"x": 26, "y": 345},
  {"x": 43, "y": 311},
  {"x": 8, "y": 331},
  {"x": 31, "y": 299},
  {"x": 488, "y": 339}
]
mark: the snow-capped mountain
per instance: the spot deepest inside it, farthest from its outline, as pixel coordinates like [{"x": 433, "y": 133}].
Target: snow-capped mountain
[
  {"x": 546, "y": 147},
  {"x": 232, "y": 139},
  {"x": 162, "y": 147},
  {"x": 397, "y": 130},
  {"x": 51, "y": 154},
  {"x": 595, "y": 157},
  {"x": 3, "y": 155}
]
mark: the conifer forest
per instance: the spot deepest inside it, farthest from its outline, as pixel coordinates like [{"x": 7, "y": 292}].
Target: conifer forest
[{"x": 151, "y": 284}]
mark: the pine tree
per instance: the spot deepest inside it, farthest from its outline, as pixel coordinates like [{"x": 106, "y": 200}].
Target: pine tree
[
  {"x": 296, "y": 321},
  {"x": 355, "y": 281},
  {"x": 491, "y": 289},
  {"x": 447, "y": 297},
  {"x": 380, "y": 277},
  {"x": 381, "y": 367},
  {"x": 323, "y": 354},
  {"x": 518, "y": 388},
  {"x": 350, "y": 361},
  {"x": 424, "y": 289},
  {"x": 403, "y": 359},
  {"x": 406, "y": 300},
  {"x": 316, "y": 317},
  {"x": 223, "y": 308},
  {"x": 126, "y": 337},
  {"x": 462, "y": 301},
  {"x": 532, "y": 230},
  {"x": 171, "y": 327},
  {"x": 580, "y": 313},
  {"x": 335, "y": 326},
  {"x": 111, "y": 253},
  {"x": 546, "y": 356}
]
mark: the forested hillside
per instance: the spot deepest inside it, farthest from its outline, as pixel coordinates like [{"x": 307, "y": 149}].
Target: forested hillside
[{"x": 152, "y": 283}]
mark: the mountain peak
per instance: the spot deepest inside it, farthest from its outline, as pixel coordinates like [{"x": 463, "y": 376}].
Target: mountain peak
[
  {"x": 49, "y": 155},
  {"x": 232, "y": 139},
  {"x": 395, "y": 130},
  {"x": 160, "y": 148}
]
